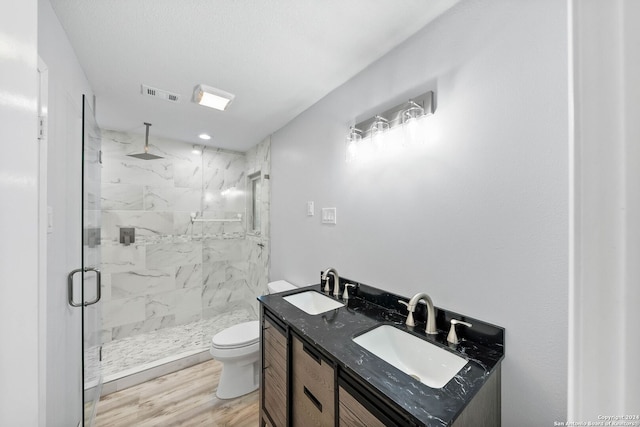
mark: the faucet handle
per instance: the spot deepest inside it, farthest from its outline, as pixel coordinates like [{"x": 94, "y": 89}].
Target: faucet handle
[
  {"x": 345, "y": 294},
  {"x": 326, "y": 285},
  {"x": 410, "y": 321},
  {"x": 453, "y": 337}
]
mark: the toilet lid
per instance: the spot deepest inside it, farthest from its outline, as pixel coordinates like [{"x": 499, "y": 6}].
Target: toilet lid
[{"x": 240, "y": 335}]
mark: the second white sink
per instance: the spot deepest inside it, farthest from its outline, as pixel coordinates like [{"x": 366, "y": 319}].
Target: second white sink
[
  {"x": 313, "y": 302},
  {"x": 426, "y": 362}
]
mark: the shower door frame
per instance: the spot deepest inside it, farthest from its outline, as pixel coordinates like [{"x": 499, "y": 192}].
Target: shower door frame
[{"x": 91, "y": 264}]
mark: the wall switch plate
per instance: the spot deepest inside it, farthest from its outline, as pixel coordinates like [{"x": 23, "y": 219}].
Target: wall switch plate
[
  {"x": 328, "y": 215},
  {"x": 310, "y": 209}
]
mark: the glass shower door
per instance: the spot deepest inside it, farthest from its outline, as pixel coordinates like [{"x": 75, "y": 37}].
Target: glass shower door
[{"x": 91, "y": 306}]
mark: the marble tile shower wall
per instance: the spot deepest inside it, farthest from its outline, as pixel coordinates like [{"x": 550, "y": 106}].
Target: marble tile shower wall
[
  {"x": 177, "y": 272},
  {"x": 259, "y": 160}
]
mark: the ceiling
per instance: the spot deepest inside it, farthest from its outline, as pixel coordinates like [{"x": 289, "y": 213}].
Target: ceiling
[{"x": 278, "y": 57}]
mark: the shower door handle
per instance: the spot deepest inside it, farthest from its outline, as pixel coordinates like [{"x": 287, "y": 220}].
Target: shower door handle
[
  {"x": 98, "y": 287},
  {"x": 70, "y": 286}
]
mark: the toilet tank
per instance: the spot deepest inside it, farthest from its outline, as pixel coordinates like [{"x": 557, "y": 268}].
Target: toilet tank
[{"x": 280, "y": 286}]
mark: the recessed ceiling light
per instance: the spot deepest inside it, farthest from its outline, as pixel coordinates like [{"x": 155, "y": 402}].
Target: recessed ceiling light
[
  {"x": 204, "y": 136},
  {"x": 212, "y": 97}
]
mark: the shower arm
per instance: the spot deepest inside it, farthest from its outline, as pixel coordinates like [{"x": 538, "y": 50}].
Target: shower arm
[{"x": 146, "y": 137}]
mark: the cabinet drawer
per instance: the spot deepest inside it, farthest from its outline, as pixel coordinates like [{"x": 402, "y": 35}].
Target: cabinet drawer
[
  {"x": 274, "y": 374},
  {"x": 313, "y": 388},
  {"x": 273, "y": 336},
  {"x": 354, "y": 414},
  {"x": 266, "y": 423}
]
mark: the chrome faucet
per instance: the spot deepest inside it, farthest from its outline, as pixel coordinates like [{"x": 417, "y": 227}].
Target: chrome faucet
[
  {"x": 431, "y": 313},
  {"x": 336, "y": 281}
]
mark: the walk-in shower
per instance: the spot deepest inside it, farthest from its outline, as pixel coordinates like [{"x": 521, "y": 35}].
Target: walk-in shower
[{"x": 198, "y": 261}]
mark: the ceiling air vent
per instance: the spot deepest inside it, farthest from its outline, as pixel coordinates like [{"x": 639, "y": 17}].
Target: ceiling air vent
[{"x": 159, "y": 93}]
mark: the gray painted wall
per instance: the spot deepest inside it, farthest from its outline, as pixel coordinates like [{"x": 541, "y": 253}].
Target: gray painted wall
[
  {"x": 19, "y": 351},
  {"x": 478, "y": 218},
  {"x": 67, "y": 84}
]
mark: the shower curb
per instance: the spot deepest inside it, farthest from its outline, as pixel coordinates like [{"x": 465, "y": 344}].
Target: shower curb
[{"x": 138, "y": 375}]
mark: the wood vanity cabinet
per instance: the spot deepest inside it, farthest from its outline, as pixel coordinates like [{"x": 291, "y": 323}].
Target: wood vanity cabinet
[
  {"x": 484, "y": 408},
  {"x": 358, "y": 408},
  {"x": 354, "y": 413},
  {"x": 303, "y": 387},
  {"x": 312, "y": 387},
  {"x": 273, "y": 393}
]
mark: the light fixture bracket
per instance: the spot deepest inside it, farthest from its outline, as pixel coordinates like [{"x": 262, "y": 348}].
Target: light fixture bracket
[{"x": 394, "y": 115}]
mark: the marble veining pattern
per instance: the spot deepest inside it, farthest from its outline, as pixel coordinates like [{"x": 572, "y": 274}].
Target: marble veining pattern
[
  {"x": 141, "y": 282},
  {"x": 121, "y": 197},
  {"x": 178, "y": 272},
  {"x": 482, "y": 346}
]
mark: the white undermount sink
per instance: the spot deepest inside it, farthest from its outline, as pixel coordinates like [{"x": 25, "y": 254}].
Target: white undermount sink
[
  {"x": 313, "y": 302},
  {"x": 426, "y": 362}
]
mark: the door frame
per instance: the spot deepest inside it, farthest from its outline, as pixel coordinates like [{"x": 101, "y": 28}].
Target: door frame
[{"x": 43, "y": 226}]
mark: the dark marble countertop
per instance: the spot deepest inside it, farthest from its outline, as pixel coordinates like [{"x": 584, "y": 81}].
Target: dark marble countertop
[{"x": 482, "y": 345}]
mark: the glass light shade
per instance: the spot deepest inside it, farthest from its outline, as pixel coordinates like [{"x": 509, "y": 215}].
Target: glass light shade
[
  {"x": 354, "y": 141},
  {"x": 379, "y": 127},
  {"x": 412, "y": 124}
]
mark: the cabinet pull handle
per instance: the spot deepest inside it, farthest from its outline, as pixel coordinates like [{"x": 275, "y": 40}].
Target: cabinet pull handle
[
  {"x": 312, "y": 354},
  {"x": 313, "y": 399}
]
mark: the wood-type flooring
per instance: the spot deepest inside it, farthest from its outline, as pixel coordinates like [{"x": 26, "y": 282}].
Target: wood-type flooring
[{"x": 185, "y": 398}]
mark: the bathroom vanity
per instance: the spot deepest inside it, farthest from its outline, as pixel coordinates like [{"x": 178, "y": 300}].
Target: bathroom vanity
[{"x": 315, "y": 374}]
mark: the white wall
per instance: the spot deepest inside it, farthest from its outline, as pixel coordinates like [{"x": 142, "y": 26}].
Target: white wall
[
  {"x": 19, "y": 214},
  {"x": 604, "y": 376},
  {"x": 479, "y": 218},
  {"x": 67, "y": 84}
]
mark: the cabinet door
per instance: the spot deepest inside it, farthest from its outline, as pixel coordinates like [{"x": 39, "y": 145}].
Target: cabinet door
[
  {"x": 354, "y": 414},
  {"x": 313, "y": 387},
  {"x": 274, "y": 377}
]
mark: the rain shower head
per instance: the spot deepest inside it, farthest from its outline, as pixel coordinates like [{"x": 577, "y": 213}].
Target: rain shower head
[{"x": 146, "y": 155}]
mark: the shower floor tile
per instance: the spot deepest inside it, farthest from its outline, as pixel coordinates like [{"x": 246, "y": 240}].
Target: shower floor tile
[{"x": 139, "y": 350}]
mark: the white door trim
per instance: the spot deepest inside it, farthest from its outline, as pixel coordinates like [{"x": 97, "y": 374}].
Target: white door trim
[{"x": 43, "y": 224}]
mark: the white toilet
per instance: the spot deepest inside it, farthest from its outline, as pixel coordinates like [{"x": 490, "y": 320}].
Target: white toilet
[{"x": 238, "y": 348}]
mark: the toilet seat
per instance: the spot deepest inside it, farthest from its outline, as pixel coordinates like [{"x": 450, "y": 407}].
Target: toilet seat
[
  {"x": 237, "y": 336},
  {"x": 238, "y": 349}
]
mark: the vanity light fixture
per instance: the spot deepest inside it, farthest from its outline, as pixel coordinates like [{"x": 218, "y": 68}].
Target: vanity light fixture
[
  {"x": 377, "y": 131},
  {"x": 413, "y": 113},
  {"x": 401, "y": 121},
  {"x": 354, "y": 141},
  {"x": 197, "y": 150},
  {"x": 410, "y": 123},
  {"x": 212, "y": 97}
]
